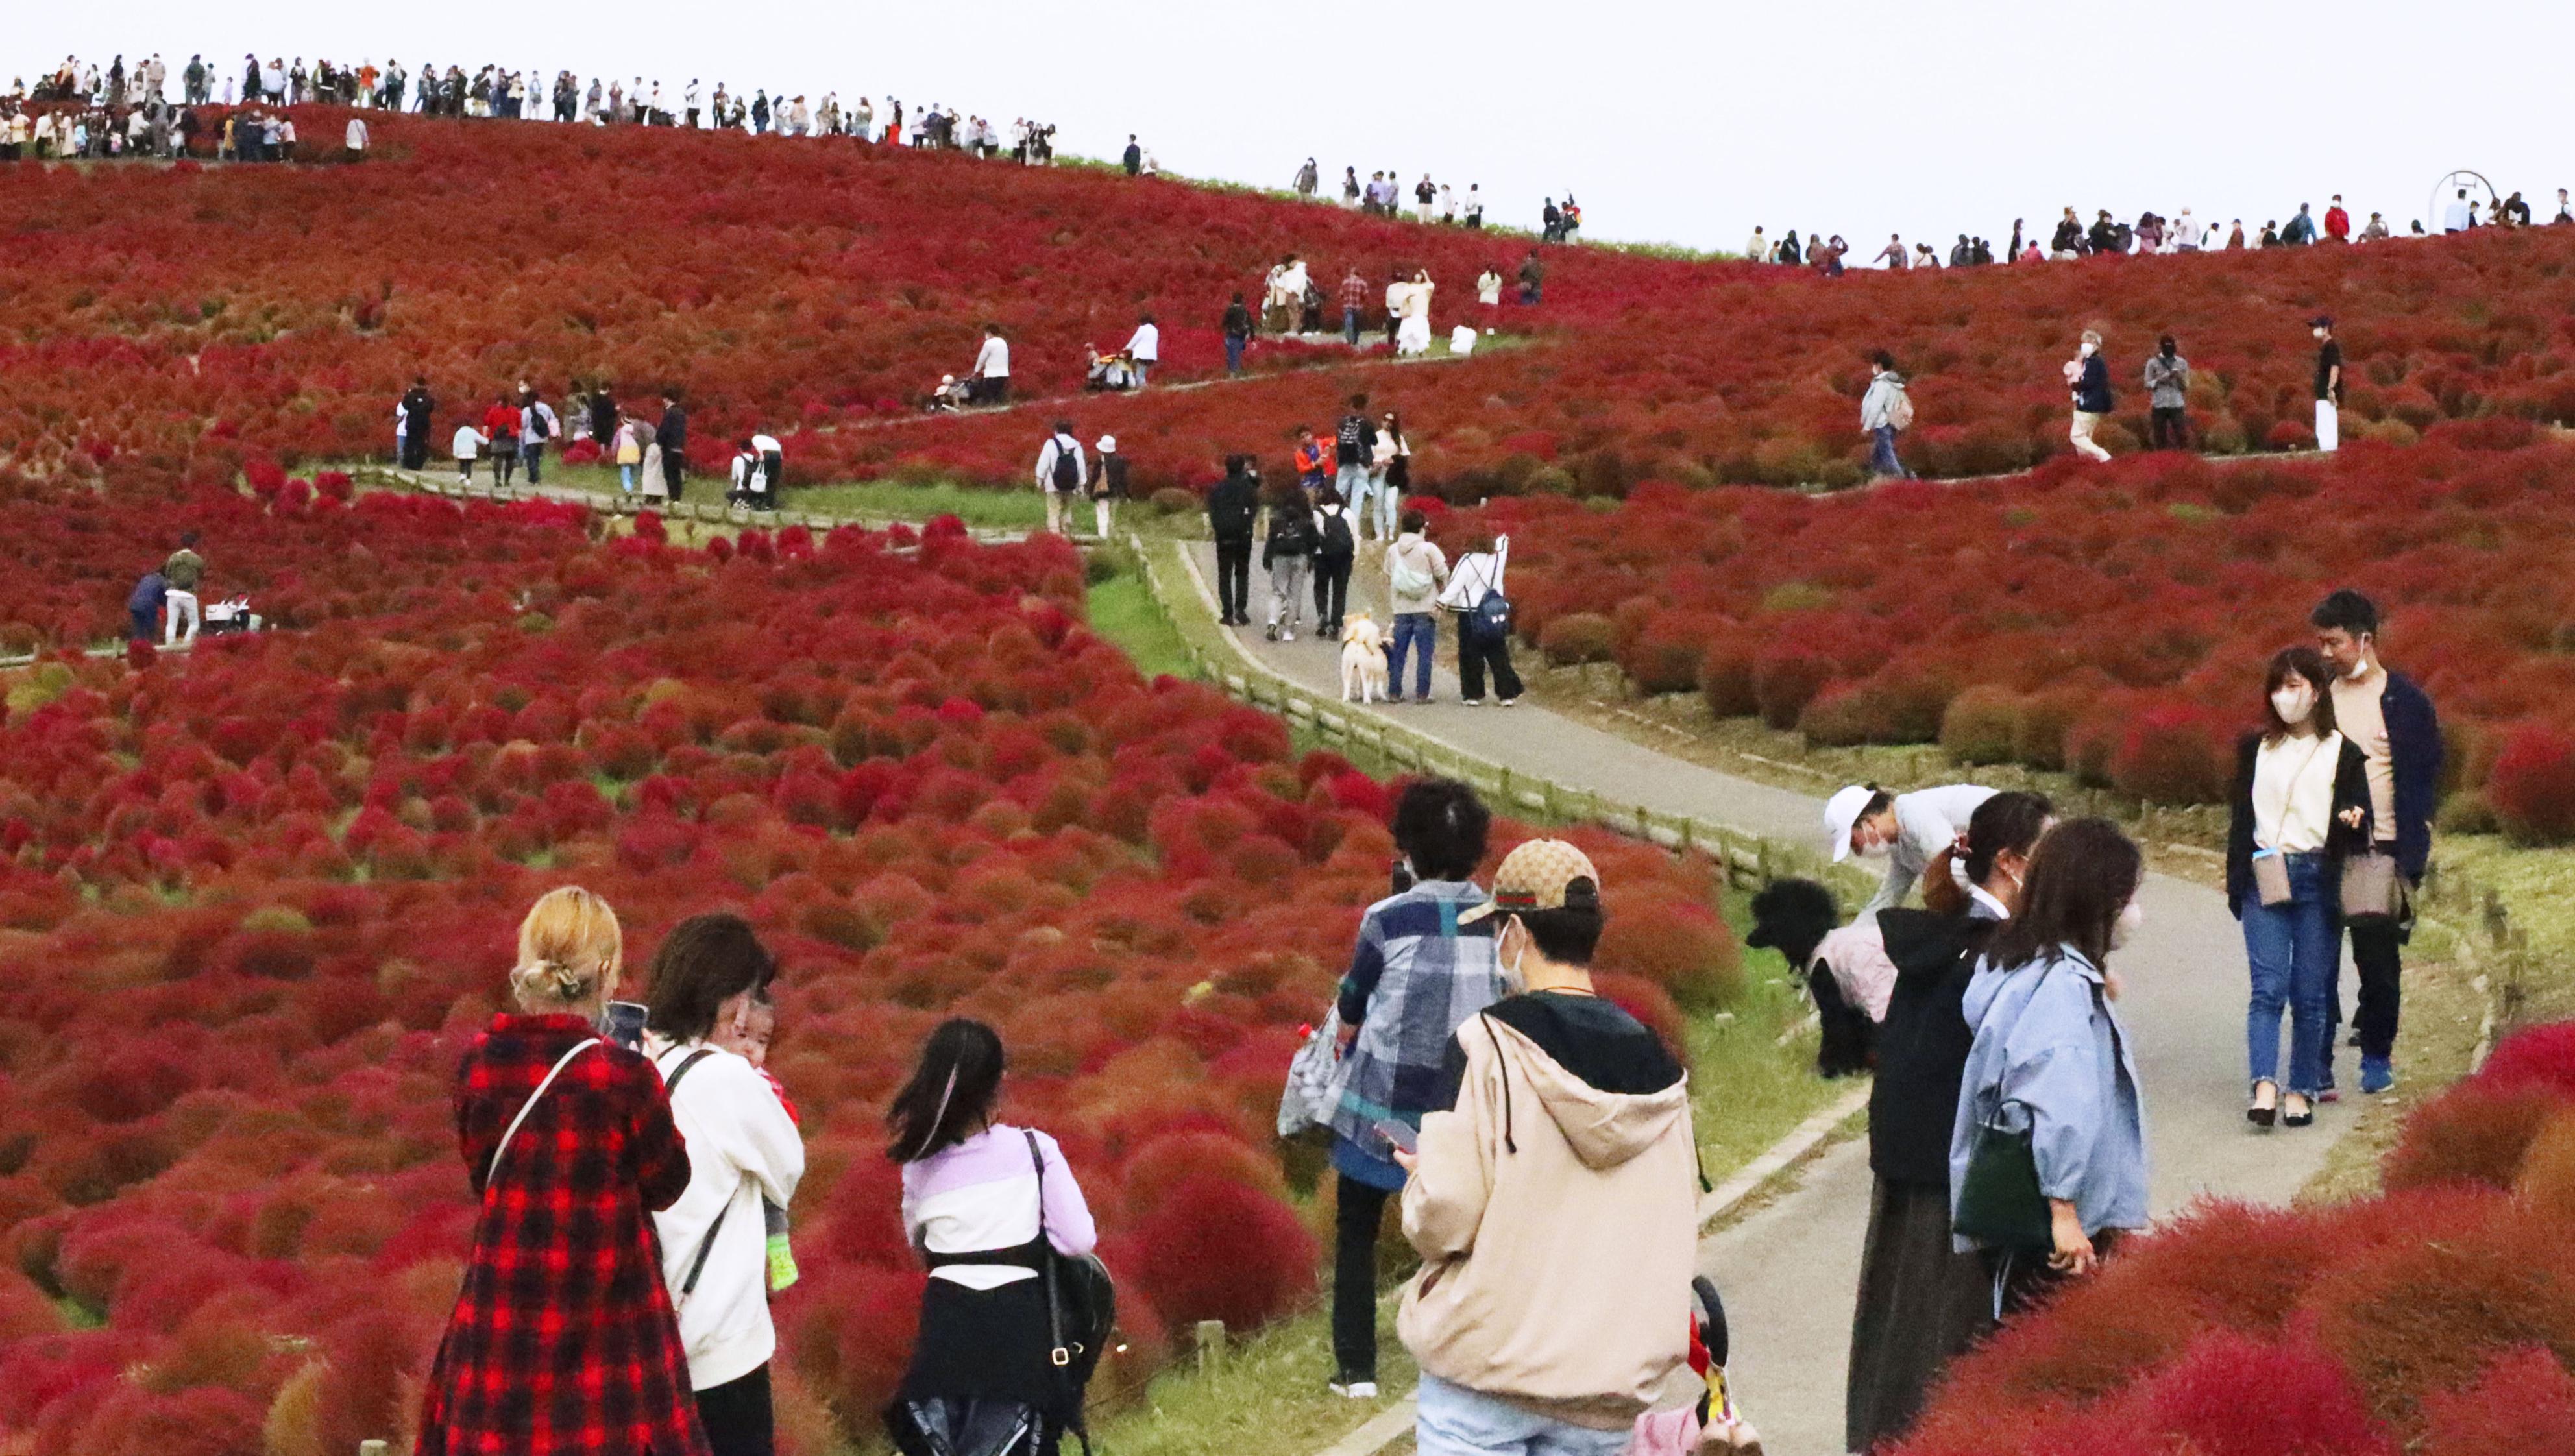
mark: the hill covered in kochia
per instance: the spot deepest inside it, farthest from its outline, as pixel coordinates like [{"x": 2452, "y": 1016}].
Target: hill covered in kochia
[{"x": 816, "y": 287}]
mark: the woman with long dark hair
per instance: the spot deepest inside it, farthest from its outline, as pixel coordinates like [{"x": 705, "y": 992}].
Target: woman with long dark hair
[
  {"x": 2301, "y": 806},
  {"x": 983, "y": 1201},
  {"x": 1921, "y": 1301},
  {"x": 2051, "y": 1061}
]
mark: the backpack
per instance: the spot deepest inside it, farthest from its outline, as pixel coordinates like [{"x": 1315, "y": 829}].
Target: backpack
[
  {"x": 1492, "y": 618},
  {"x": 1899, "y": 410},
  {"x": 539, "y": 427},
  {"x": 1336, "y": 538},
  {"x": 1067, "y": 476}
]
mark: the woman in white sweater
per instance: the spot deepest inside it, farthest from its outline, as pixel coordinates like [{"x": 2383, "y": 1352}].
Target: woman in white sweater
[
  {"x": 743, "y": 1149},
  {"x": 2301, "y": 805}
]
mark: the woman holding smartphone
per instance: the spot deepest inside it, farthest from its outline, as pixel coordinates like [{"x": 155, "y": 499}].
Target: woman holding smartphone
[
  {"x": 2301, "y": 805},
  {"x": 563, "y": 1326}
]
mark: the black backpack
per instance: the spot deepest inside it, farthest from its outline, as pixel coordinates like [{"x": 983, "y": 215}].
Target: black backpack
[
  {"x": 1338, "y": 540},
  {"x": 539, "y": 427},
  {"x": 1067, "y": 476}
]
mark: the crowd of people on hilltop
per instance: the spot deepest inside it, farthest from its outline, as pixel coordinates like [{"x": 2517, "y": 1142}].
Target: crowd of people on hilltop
[
  {"x": 2151, "y": 233},
  {"x": 114, "y": 110}
]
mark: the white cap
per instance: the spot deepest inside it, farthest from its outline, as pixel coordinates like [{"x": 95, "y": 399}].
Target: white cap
[
  {"x": 1108, "y": 445},
  {"x": 1842, "y": 811}
]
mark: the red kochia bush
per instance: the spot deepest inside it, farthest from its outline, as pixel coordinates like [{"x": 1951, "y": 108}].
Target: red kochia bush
[
  {"x": 2525, "y": 1404},
  {"x": 1217, "y": 1249},
  {"x": 2532, "y": 786}
]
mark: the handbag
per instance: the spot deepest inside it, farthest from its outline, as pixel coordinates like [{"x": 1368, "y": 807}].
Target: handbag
[
  {"x": 2271, "y": 878},
  {"x": 2000, "y": 1204},
  {"x": 2372, "y": 891},
  {"x": 1081, "y": 1310}
]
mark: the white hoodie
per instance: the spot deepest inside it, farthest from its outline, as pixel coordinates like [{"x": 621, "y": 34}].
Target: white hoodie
[{"x": 743, "y": 1148}]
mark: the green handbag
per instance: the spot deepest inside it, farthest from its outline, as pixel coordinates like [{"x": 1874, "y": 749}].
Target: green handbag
[{"x": 1999, "y": 1203}]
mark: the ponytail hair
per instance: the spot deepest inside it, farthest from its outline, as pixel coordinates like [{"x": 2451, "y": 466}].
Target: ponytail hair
[{"x": 570, "y": 945}]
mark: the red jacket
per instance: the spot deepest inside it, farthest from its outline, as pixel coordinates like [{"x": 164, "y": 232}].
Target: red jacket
[
  {"x": 2337, "y": 225},
  {"x": 564, "y": 1340},
  {"x": 501, "y": 421}
]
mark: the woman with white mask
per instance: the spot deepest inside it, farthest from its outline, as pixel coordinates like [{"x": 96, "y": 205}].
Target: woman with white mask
[
  {"x": 1899, "y": 831},
  {"x": 2047, "y": 1156},
  {"x": 2301, "y": 805}
]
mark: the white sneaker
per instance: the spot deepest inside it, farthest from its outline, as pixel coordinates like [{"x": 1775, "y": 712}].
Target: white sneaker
[
  {"x": 1355, "y": 1389},
  {"x": 1286, "y": 634}
]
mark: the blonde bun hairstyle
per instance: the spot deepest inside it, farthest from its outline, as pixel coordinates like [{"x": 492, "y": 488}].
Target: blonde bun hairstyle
[{"x": 570, "y": 947}]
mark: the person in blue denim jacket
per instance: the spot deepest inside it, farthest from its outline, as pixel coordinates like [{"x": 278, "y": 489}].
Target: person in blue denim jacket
[{"x": 2051, "y": 1057}]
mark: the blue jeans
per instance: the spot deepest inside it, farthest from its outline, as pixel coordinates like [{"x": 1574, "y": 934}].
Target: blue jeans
[
  {"x": 531, "y": 454},
  {"x": 1143, "y": 366},
  {"x": 1234, "y": 354},
  {"x": 1350, "y": 481},
  {"x": 2294, "y": 950},
  {"x": 626, "y": 478},
  {"x": 1882, "y": 460},
  {"x": 1456, "y": 1421},
  {"x": 1351, "y": 327},
  {"x": 1412, "y": 630}
]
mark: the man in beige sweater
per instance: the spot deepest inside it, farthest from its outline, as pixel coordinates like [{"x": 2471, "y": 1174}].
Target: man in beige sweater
[{"x": 1555, "y": 1201}]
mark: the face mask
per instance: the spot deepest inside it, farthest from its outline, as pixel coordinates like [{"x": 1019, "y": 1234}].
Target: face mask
[
  {"x": 2087, "y": 349},
  {"x": 2294, "y": 705},
  {"x": 2124, "y": 930},
  {"x": 1873, "y": 850},
  {"x": 2359, "y": 668},
  {"x": 1513, "y": 982}
]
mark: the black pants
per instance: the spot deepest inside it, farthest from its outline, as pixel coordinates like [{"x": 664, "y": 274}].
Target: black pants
[
  {"x": 672, "y": 461},
  {"x": 531, "y": 454},
  {"x": 1234, "y": 577},
  {"x": 1477, "y": 652},
  {"x": 738, "y": 1417},
  {"x": 1362, "y": 1209},
  {"x": 1331, "y": 591},
  {"x": 2172, "y": 425},
  {"x": 2378, "y": 953},
  {"x": 415, "y": 446},
  {"x": 505, "y": 461}
]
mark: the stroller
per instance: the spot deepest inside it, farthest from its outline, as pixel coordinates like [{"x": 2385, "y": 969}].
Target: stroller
[
  {"x": 227, "y": 617},
  {"x": 949, "y": 398},
  {"x": 1711, "y": 1423}
]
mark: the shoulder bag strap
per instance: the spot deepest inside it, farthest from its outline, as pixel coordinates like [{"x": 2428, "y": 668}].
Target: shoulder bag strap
[
  {"x": 493, "y": 1169},
  {"x": 1999, "y": 1104},
  {"x": 1058, "y": 1352},
  {"x": 706, "y": 1246}
]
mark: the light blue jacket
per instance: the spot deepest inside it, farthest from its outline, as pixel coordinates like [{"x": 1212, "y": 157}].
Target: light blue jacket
[{"x": 2051, "y": 1057}]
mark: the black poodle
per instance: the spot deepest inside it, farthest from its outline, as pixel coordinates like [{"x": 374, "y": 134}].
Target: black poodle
[{"x": 1792, "y": 917}]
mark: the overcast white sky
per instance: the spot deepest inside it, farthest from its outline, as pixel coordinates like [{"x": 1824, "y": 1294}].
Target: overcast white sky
[{"x": 1673, "y": 122}]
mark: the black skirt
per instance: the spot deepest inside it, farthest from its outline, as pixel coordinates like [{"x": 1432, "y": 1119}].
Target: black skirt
[
  {"x": 1920, "y": 1306},
  {"x": 985, "y": 1344}
]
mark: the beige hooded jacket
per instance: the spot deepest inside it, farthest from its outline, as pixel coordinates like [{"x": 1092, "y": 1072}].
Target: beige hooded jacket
[{"x": 1558, "y": 1226}]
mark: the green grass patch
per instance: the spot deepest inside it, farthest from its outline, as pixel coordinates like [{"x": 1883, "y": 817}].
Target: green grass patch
[
  {"x": 1021, "y": 508},
  {"x": 1122, "y": 609}
]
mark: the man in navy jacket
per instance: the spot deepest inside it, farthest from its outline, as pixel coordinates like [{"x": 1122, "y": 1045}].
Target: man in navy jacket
[{"x": 2393, "y": 723}]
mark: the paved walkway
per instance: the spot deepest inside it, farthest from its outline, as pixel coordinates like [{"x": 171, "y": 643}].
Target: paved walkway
[{"x": 1789, "y": 1269}]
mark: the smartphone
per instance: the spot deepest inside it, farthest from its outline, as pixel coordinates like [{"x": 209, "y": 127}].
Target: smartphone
[
  {"x": 623, "y": 1025},
  {"x": 1401, "y": 875},
  {"x": 1401, "y": 1134}
]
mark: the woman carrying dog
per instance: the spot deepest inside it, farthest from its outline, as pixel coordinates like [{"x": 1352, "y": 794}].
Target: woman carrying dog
[
  {"x": 2301, "y": 805},
  {"x": 1921, "y": 1302}
]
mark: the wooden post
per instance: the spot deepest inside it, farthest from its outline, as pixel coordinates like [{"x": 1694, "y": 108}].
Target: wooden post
[{"x": 1211, "y": 1346}]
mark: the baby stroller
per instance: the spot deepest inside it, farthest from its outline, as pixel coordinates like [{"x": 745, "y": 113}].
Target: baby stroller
[
  {"x": 225, "y": 617},
  {"x": 949, "y": 399}
]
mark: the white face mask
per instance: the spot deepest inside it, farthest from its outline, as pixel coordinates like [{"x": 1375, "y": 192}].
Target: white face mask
[
  {"x": 2088, "y": 347},
  {"x": 2294, "y": 702},
  {"x": 2359, "y": 668},
  {"x": 2124, "y": 930},
  {"x": 1513, "y": 982},
  {"x": 1872, "y": 850}
]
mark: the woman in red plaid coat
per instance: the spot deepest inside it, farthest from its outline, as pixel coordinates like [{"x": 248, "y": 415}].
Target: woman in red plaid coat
[{"x": 562, "y": 1339}]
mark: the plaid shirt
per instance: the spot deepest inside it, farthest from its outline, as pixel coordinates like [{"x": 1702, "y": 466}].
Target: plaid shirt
[
  {"x": 1416, "y": 977},
  {"x": 563, "y": 1338},
  {"x": 1355, "y": 292}
]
